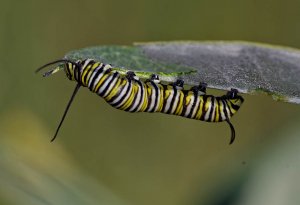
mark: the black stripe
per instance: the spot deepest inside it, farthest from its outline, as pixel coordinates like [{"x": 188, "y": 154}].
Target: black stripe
[
  {"x": 156, "y": 96},
  {"x": 224, "y": 108},
  {"x": 98, "y": 72},
  {"x": 118, "y": 103},
  {"x": 227, "y": 104},
  {"x": 78, "y": 74},
  {"x": 75, "y": 74},
  {"x": 87, "y": 72},
  {"x": 173, "y": 99},
  {"x": 203, "y": 107},
  {"x": 185, "y": 94},
  {"x": 165, "y": 88},
  {"x": 235, "y": 107},
  {"x": 68, "y": 68},
  {"x": 194, "y": 105},
  {"x": 149, "y": 99},
  {"x": 212, "y": 108},
  {"x": 197, "y": 106},
  {"x": 105, "y": 73},
  {"x": 108, "y": 85},
  {"x": 121, "y": 87},
  {"x": 136, "y": 96},
  {"x": 218, "y": 110}
]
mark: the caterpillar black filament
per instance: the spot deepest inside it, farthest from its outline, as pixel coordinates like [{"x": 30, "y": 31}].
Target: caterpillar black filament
[{"x": 128, "y": 93}]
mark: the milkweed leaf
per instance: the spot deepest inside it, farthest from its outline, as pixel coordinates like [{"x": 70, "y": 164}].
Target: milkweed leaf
[{"x": 249, "y": 67}]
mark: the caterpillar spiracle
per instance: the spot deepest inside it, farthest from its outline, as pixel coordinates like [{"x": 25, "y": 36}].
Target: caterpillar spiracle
[{"x": 129, "y": 93}]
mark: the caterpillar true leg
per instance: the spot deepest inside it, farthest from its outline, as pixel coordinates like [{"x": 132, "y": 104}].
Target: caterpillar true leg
[
  {"x": 154, "y": 78},
  {"x": 130, "y": 75},
  {"x": 202, "y": 87},
  {"x": 232, "y": 93},
  {"x": 179, "y": 83}
]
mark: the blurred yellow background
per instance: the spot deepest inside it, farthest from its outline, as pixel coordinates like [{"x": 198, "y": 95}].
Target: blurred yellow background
[{"x": 106, "y": 156}]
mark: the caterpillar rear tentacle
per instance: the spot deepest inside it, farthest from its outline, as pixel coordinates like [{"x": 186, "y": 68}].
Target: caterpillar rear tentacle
[{"x": 130, "y": 94}]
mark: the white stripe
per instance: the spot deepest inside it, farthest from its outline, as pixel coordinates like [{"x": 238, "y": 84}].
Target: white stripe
[
  {"x": 94, "y": 73},
  {"x": 99, "y": 77},
  {"x": 227, "y": 108},
  {"x": 106, "y": 67},
  {"x": 106, "y": 82},
  {"x": 208, "y": 111},
  {"x": 143, "y": 97},
  {"x": 189, "y": 107},
  {"x": 126, "y": 97},
  {"x": 196, "y": 107},
  {"x": 112, "y": 84},
  {"x": 122, "y": 93},
  {"x": 86, "y": 63},
  {"x": 138, "y": 97},
  {"x": 169, "y": 100},
  {"x": 158, "y": 99},
  {"x": 97, "y": 80},
  {"x": 222, "y": 111},
  {"x": 152, "y": 98},
  {"x": 214, "y": 110},
  {"x": 175, "y": 102}
]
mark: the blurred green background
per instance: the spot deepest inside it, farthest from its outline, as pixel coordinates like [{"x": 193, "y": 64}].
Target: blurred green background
[{"x": 106, "y": 156}]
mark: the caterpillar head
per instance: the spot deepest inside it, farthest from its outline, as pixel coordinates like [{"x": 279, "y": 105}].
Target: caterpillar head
[{"x": 71, "y": 68}]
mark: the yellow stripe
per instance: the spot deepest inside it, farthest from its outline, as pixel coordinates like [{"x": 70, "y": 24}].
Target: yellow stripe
[
  {"x": 114, "y": 90},
  {"x": 131, "y": 97},
  {"x": 104, "y": 77},
  {"x": 85, "y": 70},
  {"x": 161, "y": 98},
  {"x": 167, "y": 94},
  {"x": 67, "y": 70},
  {"x": 199, "y": 112},
  {"x": 145, "y": 101},
  {"x": 71, "y": 70},
  {"x": 217, "y": 114},
  {"x": 179, "y": 108},
  {"x": 91, "y": 72},
  {"x": 230, "y": 107},
  {"x": 221, "y": 109},
  {"x": 207, "y": 103},
  {"x": 148, "y": 92},
  {"x": 187, "y": 99}
]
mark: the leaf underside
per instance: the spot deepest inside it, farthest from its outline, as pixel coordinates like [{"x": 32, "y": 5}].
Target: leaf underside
[{"x": 248, "y": 67}]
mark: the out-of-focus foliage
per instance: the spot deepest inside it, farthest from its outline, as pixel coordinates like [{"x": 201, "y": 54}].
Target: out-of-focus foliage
[
  {"x": 133, "y": 158},
  {"x": 35, "y": 172},
  {"x": 275, "y": 180}
]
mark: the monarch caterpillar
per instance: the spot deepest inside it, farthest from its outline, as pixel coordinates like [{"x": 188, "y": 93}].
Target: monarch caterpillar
[{"x": 129, "y": 93}]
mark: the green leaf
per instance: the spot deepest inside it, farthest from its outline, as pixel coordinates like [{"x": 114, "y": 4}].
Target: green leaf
[
  {"x": 248, "y": 67},
  {"x": 125, "y": 58}
]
